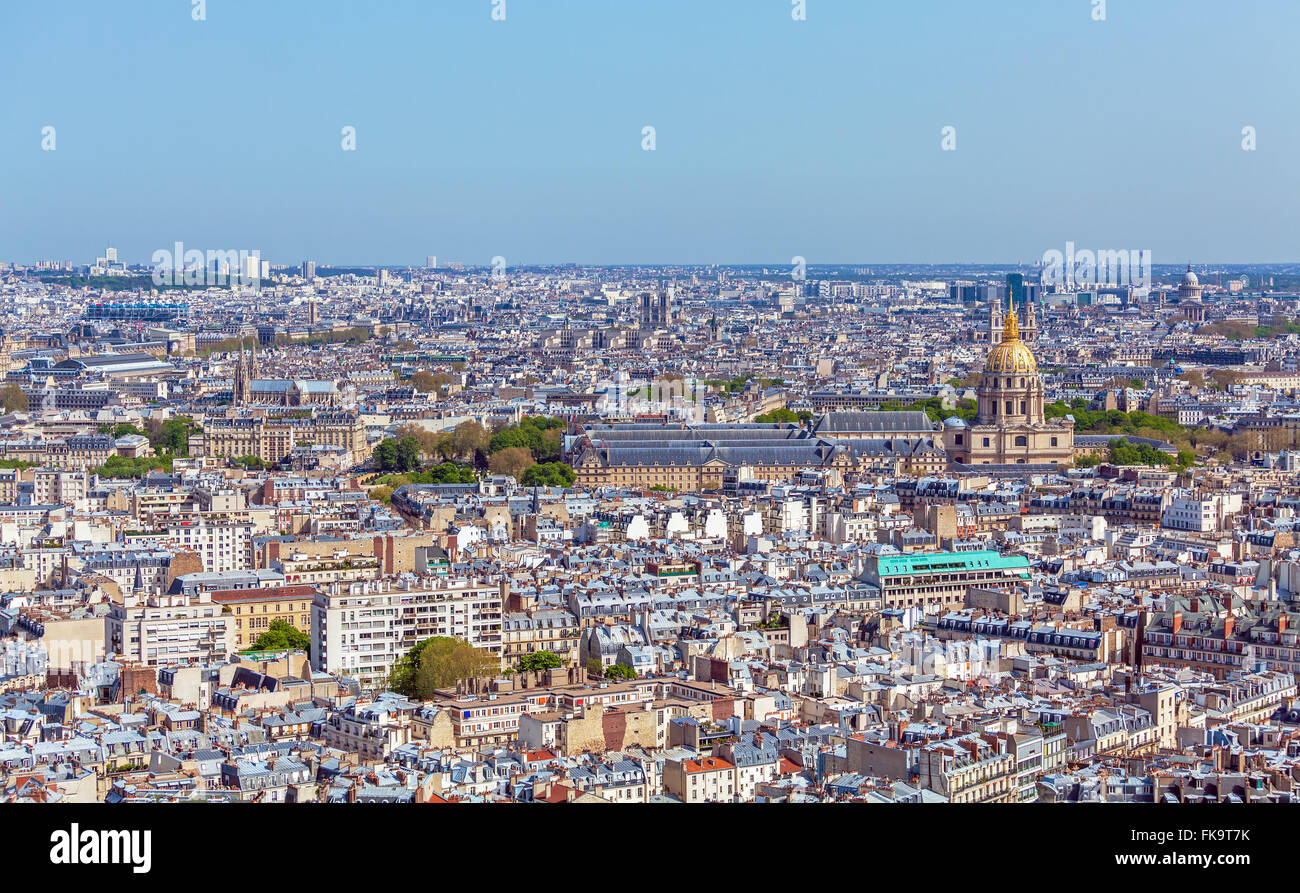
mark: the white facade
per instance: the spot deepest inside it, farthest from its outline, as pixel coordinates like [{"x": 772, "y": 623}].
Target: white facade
[
  {"x": 361, "y": 630},
  {"x": 169, "y": 629},
  {"x": 1205, "y": 515},
  {"x": 223, "y": 546}
]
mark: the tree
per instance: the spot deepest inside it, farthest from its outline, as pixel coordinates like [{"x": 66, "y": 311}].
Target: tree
[
  {"x": 427, "y": 439},
  {"x": 122, "y": 429},
  {"x": 121, "y": 467},
  {"x": 385, "y": 455},
  {"x": 1224, "y": 378},
  {"x": 542, "y": 436},
  {"x": 425, "y": 381},
  {"x": 397, "y": 455},
  {"x": 468, "y": 440},
  {"x": 551, "y": 474},
  {"x": 540, "y": 660},
  {"x": 13, "y": 398},
  {"x": 1125, "y": 452},
  {"x": 1242, "y": 444},
  {"x": 552, "y": 447},
  {"x": 408, "y": 453},
  {"x": 280, "y": 635},
  {"x": 171, "y": 436},
  {"x": 513, "y": 461},
  {"x": 438, "y": 663},
  {"x": 777, "y": 415},
  {"x": 1210, "y": 438},
  {"x": 620, "y": 671}
]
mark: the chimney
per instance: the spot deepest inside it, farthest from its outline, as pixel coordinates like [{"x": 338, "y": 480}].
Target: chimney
[
  {"x": 1283, "y": 619},
  {"x": 1178, "y": 620},
  {"x": 1228, "y": 623}
]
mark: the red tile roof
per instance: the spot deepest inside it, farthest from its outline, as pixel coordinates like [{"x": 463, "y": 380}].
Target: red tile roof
[
  {"x": 264, "y": 594},
  {"x": 708, "y": 764}
]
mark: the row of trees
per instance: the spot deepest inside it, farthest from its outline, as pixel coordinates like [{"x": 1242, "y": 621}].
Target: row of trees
[
  {"x": 1114, "y": 421},
  {"x": 354, "y": 335},
  {"x": 165, "y": 436},
  {"x": 934, "y": 408},
  {"x": 468, "y": 442},
  {"x": 120, "y": 467},
  {"x": 446, "y": 473},
  {"x": 1215, "y": 379},
  {"x": 441, "y": 662},
  {"x": 529, "y": 452},
  {"x": 1122, "y": 451},
  {"x": 1278, "y": 327},
  {"x": 228, "y": 345},
  {"x": 739, "y": 383},
  {"x": 169, "y": 439},
  {"x": 783, "y": 415},
  {"x": 1211, "y": 443}
]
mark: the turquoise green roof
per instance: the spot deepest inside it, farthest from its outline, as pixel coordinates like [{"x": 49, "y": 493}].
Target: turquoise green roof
[{"x": 949, "y": 562}]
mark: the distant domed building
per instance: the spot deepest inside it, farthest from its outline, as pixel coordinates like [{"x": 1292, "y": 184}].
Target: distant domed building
[
  {"x": 1009, "y": 427},
  {"x": 1189, "y": 297}
]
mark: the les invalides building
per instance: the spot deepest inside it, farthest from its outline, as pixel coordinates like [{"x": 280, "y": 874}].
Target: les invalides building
[{"x": 1009, "y": 428}]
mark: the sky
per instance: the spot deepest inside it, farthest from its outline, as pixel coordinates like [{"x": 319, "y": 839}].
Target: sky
[{"x": 774, "y": 138}]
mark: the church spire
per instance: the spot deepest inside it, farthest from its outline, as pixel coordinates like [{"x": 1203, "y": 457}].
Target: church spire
[{"x": 1010, "y": 326}]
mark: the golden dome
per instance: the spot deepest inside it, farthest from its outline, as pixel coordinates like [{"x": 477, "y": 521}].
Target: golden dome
[{"x": 1012, "y": 356}]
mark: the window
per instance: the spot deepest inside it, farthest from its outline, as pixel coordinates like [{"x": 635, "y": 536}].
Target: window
[{"x": 1022, "y": 440}]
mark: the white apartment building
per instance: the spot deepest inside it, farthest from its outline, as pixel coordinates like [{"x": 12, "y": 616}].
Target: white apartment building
[
  {"x": 361, "y": 629},
  {"x": 56, "y": 486},
  {"x": 223, "y": 545},
  {"x": 1207, "y": 514},
  {"x": 168, "y": 629}
]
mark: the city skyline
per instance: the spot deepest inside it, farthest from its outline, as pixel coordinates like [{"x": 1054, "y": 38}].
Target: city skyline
[{"x": 534, "y": 402}]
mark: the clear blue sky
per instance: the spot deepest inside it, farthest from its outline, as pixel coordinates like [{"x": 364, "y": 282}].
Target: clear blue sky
[{"x": 775, "y": 138}]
